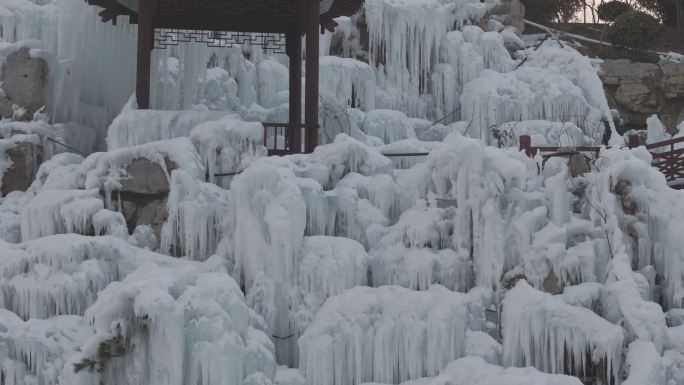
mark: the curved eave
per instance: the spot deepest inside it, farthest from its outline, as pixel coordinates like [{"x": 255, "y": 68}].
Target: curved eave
[
  {"x": 113, "y": 9},
  {"x": 344, "y": 8}
]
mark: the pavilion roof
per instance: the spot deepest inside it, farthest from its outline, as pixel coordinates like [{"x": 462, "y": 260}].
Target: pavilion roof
[{"x": 330, "y": 9}]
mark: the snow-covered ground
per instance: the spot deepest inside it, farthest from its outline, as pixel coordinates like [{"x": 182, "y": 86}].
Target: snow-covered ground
[{"x": 216, "y": 264}]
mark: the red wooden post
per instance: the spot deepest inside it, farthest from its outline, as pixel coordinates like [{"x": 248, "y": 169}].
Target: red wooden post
[
  {"x": 312, "y": 51},
  {"x": 294, "y": 51},
  {"x": 525, "y": 144},
  {"x": 633, "y": 141},
  {"x": 146, "y": 12}
]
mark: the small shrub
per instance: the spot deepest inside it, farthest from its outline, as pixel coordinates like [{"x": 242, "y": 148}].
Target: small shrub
[
  {"x": 636, "y": 31},
  {"x": 612, "y": 10}
]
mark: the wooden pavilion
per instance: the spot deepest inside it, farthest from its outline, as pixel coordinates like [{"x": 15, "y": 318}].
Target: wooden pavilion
[{"x": 276, "y": 25}]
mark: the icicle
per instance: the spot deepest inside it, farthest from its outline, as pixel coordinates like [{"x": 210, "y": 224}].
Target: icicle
[
  {"x": 542, "y": 331},
  {"x": 194, "y": 228},
  {"x": 389, "y": 334}
]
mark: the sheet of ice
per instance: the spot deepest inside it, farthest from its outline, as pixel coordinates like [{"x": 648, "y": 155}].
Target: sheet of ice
[
  {"x": 388, "y": 334},
  {"x": 127, "y": 129},
  {"x": 348, "y": 80},
  {"x": 330, "y": 163},
  {"x": 59, "y": 211},
  {"x": 195, "y": 225},
  {"x": 228, "y": 145},
  {"x": 178, "y": 325},
  {"x": 476, "y": 371},
  {"x": 555, "y": 84},
  {"x": 15, "y": 28},
  {"x": 388, "y": 125},
  {"x": 541, "y": 331},
  {"x": 404, "y": 48},
  {"x": 36, "y": 351},
  {"x": 645, "y": 364},
  {"x": 62, "y": 274},
  {"x": 481, "y": 344},
  {"x": 625, "y": 301}
]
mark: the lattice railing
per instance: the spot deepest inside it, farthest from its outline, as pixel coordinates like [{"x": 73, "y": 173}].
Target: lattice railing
[{"x": 270, "y": 42}]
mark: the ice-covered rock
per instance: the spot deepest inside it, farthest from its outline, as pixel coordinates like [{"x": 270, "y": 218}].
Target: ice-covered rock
[
  {"x": 348, "y": 80},
  {"x": 530, "y": 316},
  {"x": 187, "y": 326},
  {"x": 403, "y": 334}
]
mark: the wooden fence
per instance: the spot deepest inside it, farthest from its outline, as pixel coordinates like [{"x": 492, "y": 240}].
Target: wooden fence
[{"x": 668, "y": 157}]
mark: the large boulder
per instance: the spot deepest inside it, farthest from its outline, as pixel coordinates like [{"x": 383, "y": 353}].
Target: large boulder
[
  {"x": 144, "y": 194},
  {"x": 24, "y": 83},
  {"x": 639, "y": 90},
  {"x": 26, "y": 157}
]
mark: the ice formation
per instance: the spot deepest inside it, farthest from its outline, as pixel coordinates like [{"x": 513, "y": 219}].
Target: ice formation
[
  {"x": 555, "y": 337},
  {"x": 348, "y": 80},
  {"x": 177, "y": 326},
  {"x": 389, "y": 334},
  {"x": 475, "y": 371}
]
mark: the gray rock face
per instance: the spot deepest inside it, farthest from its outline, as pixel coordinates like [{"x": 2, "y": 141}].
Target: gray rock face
[
  {"x": 24, "y": 83},
  {"x": 578, "y": 165},
  {"x": 146, "y": 177},
  {"x": 26, "y": 158},
  {"x": 639, "y": 90},
  {"x": 513, "y": 13},
  {"x": 144, "y": 195}
]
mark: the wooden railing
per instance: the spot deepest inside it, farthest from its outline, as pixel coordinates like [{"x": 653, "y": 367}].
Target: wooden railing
[
  {"x": 667, "y": 157},
  {"x": 286, "y": 139}
]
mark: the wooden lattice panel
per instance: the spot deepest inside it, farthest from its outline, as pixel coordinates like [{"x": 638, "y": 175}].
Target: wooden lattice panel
[
  {"x": 269, "y": 42},
  {"x": 292, "y": 10}
]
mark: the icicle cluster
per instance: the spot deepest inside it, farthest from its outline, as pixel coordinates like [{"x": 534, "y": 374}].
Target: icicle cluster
[
  {"x": 389, "y": 334},
  {"x": 177, "y": 326},
  {"x": 544, "y": 332},
  {"x": 349, "y": 80},
  {"x": 195, "y": 226}
]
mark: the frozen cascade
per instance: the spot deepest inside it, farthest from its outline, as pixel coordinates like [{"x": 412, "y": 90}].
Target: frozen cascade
[
  {"x": 36, "y": 351},
  {"x": 404, "y": 48},
  {"x": 330, "y": 163},
  {"x": 179, "y": 325},
  {"x": 194, "y": 227},
  {"x": 625, "y": 301},
  {"x": 476, "y": 371},
  {"x": 540, "y": 330},
  {"x": 228, "y": 145},
  {"x": 268, "y": 221},
  {"x": 125, "y": 130},
  {"x": 560, "y": 90},
  {"x": 389, "y": 334},
  {"x": 388, "y": 125},
  {"x": 350, "y": 80},
  {"x": 477, "y": 178},
  {"x": 328, "y": 266},
  {"x": 58, "y": 211},
  {"x": 465, "y": 54},
  {"x": 272, "y": 78},
  {"x": 266, "y": 224},
  {"x": 418, "y": 252},
  {"x": 62, "y": 274},
  {"x": 107, "y": 222},
  {"x": 27, "y": 20},
  {"x": 645, "y": 365},
  {"x": 355, "y": 217}
]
